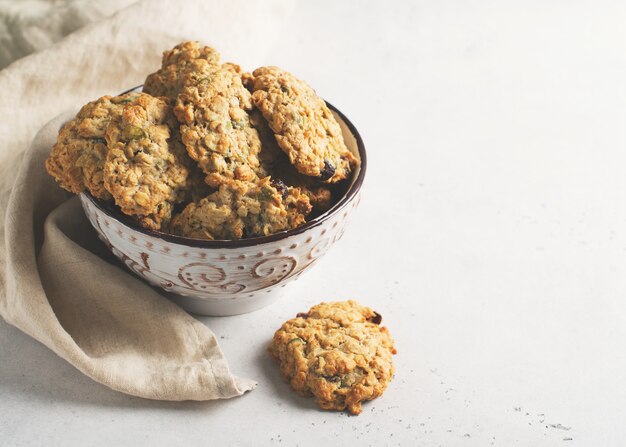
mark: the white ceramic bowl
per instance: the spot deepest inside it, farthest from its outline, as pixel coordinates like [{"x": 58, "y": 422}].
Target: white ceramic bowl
[{"x": 227, "y": 277}]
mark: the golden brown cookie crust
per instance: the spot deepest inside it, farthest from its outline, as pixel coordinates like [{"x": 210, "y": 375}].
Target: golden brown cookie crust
[
  {"x": 305, "y": 128},
  {"x": 176, "y": 67},
  {"x": 145, "y": 170},
  {"x": 242, "y": 209},
  {"x": 337, "y": 352},
  {"x": 77, "y": 158},
  {"x": 215, "y": 126}
]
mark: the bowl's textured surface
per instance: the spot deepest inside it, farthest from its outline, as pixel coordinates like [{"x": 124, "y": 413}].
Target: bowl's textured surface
[{"x": 227, "y": 277}]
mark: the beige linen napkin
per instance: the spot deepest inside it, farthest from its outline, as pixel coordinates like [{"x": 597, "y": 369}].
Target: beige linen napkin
[
  {"x": 57, "y": 282},
  {"x": 28, "y": 27}
]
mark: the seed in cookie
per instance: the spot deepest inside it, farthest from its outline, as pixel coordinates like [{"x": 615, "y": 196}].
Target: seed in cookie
[
  {"x": 338, "y": 353},
  {"x": 215, "y": 125},
  {"x": 305, "y": 128},
  {"x": 176, "y": 67},
  {"x": 146, "y": 170},
  {"x": 242, "y": 209},
  {"x": 77, "y": 159}
]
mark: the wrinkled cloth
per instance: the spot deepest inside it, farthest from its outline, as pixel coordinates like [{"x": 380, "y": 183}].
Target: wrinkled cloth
[
  {"x": 30, "y": 26},
  {"x": 58, "y": 283}
]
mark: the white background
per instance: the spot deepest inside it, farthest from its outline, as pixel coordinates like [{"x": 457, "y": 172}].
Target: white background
[{"x": 491, "y": 237}]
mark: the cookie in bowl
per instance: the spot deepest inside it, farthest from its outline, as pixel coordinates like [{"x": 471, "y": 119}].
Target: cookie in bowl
[
  {"x": 77, "y": 159},
  {"x": 243, "y": 209},
  {"x": 146, "y": 169},
  {"x": 304, "y": 126}
]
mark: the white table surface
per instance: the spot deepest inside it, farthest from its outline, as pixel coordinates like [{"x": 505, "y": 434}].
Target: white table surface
[{"x": 491, "y": 236}]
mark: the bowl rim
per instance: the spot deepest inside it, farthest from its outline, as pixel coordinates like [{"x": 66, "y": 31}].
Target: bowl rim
[{"x": 254, "y": 241}]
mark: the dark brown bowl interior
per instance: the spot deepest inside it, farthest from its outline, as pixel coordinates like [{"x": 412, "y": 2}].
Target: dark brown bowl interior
[{"x": 349, "y": 194}]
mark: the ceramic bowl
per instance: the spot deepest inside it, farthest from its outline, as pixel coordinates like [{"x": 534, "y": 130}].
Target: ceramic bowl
[{"x": 228, "y": 277}]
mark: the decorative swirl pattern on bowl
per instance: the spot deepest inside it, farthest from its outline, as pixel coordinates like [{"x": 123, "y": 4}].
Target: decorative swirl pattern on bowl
[
  {"x": 274, "y": 269},
  {"x": 202, "y": 276}
]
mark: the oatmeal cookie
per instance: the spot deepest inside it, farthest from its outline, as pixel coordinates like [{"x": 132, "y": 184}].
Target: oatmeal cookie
[
  {"x": 77, "y": 159},
  {"x": 275, "y": 162},
  {"x": 305, "y": 128},
  {"x": 242, "y": 209},
  {"x": 215, "y": 126},
  {"x": 337, "y": 352},
  {"x": 145, "y": 170},
  {"x": 176, "y": 67}
]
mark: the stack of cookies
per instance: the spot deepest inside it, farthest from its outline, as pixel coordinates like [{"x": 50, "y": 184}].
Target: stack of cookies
[{"x": 207, "y": 151}]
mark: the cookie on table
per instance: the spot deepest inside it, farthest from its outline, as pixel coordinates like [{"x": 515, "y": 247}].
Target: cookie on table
[
  {"x": 305, "y": 128},
  {"x": 146, "y": 169},
  {"x": 242, "y": 209},
  {"x": 338, "y": 353},
  {"x": 177, "y": 64},
  {"x": 215, "y": 125},
  {"x": 275, "y": 162},
  {"x": 77, "y": 159}
]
